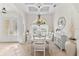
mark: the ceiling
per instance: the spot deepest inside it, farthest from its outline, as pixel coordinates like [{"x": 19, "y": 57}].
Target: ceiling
[
  {"x": 38, "y": 8},
  {"x": 76, "y": 6},
  {"x": 44, "y": 8}
]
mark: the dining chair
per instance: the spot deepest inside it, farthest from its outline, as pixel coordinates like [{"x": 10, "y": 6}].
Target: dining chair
[{"x": 39, "y": 43}]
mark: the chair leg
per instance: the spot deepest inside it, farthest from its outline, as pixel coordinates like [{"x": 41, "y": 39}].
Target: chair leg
[
  {"x": 34, "y": 53},
  {"x": 44, "y": 52}
]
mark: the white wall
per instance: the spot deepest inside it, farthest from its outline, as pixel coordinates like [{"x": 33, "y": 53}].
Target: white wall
[
  {"x": 76, "y": 20},
  {"x": 77, "y": 30},
  {"x": 13, "y": 13},
  {"x": 64, "y": 10}
]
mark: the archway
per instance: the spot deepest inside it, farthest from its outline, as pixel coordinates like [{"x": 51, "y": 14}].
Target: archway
[{"x": 39, "y": 26}]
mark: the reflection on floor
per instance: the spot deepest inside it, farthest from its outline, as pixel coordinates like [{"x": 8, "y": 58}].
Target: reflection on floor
[
  {"x": 40, "y": 53},
  {"x": 16, "y": 49},
  {"x": 55, "y": 51}
]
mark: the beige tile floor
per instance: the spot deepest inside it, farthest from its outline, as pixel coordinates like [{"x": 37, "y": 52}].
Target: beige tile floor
[
  {"x": 55, "y": 51},
  {"x": 16, "y": 49}
]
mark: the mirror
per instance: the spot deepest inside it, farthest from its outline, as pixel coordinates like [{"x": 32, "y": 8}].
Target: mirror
[{"x": 61, "y": 22}]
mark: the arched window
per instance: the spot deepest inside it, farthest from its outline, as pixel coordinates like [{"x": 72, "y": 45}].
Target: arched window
[{"x": 39, "y": 26}]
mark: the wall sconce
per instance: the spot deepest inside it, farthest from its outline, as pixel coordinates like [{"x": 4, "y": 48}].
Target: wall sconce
[{"x": 4, "y": 10}]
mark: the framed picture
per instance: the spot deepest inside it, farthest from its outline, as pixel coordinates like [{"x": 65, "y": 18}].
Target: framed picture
[{"x": 61, "y": 22}]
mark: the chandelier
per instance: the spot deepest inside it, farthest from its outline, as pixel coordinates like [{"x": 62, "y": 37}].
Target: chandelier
[{"x": 40, "y": 21}]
